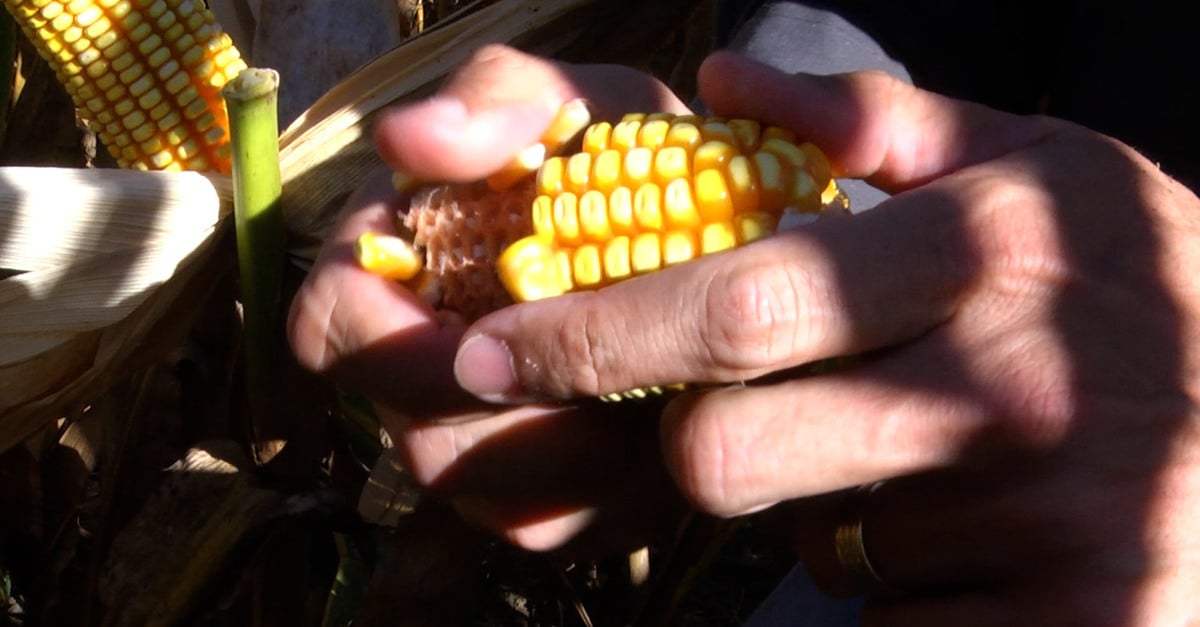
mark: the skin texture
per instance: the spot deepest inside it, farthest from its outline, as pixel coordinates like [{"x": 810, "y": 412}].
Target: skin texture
[{"x": 1022, "y": 311}]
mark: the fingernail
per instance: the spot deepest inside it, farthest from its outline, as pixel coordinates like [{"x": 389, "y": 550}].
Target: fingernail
[{"x": 484, "y": 367}]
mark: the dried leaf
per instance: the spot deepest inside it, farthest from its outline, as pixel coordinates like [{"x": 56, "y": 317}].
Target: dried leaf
[{"x": 101, "y": 255}]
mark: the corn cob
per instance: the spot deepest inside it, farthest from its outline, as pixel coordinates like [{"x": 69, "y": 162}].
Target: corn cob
[
  {"x": 656, "y": 190},
  {"x": 146, "y": 73},
  {"x": 647, "y": 192}
]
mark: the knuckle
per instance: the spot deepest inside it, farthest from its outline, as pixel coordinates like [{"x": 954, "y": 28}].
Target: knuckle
[
  {"x": 580, "y": 352},
  {"x": 756, "y": 315},
  {"x": 702, "y": 456}
]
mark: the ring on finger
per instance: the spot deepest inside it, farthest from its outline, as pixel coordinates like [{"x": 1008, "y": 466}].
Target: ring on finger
[{"x": 851, "y": 549}]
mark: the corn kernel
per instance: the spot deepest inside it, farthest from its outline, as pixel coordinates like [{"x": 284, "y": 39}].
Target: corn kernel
[
  {"x": 594, "y": 224},
  {"x": 566, "y": 218},
  {"x": 617, "y": 258},
  {"x": 586, "y": 267},
  {"x": 646, "y": 253},
  {"x": 679, "y": 246},
  {"x": 647, "y": 208},
  {"x": 716, "y": 237},
  {"x": 679, "y": 206}
]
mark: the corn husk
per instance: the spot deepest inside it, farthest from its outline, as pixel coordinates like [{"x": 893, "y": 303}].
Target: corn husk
[{"x": 99, "y": 257}]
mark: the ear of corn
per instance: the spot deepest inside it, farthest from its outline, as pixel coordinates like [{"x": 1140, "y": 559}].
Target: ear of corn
[
  {"x": 146, "y": 73},
  {"x": 647, "y": 192},
  {"x": 656, "y": 190}
]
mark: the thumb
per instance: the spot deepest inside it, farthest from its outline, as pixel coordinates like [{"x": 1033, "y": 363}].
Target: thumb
[{"x": 500, "y": 102}]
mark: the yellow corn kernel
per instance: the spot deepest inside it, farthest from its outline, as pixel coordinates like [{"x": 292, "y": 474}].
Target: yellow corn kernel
[
  {"x": 562, "y": 268},
  {"x": 775, "y": 132},
  {"x": 751, "y": 226},
  {"x": 566, "y": 218},
  {"x": 624, "y": 134},
  {"x": 606, "y": 171},
  {"x": 712, "y": 155},
  {"x": 679, "y": 206},
  {"x": 804, "y": 195},
  {"x": 713, "y": 199},
  {"x": 542, "y": 214},
  {"x": 594, "y": 224},
  {"x": 653, "y": 134},
  {"x": 595, "y": 138},
  {"x": 586, "y": 268},
  {"x": 679, "y": 246},
  {"x": 572, "y": 117},
  {"x": 718, "y": 132},
  {"x": 617, "y": 258},
  {"x": 550, "y": 177},
  {"x": 639, "y": 167},
  {"x": 645, "y": 253},
  {"x": 716, "y": 237},
  {"x": 530, "y": 267},
  {"x": 742, "y": 181},
  {"x": 578, "y": 173},
  {"x": 746, "y": 133},
  {"x": 684, "y": 135},
  {"x": 773, "y": 184},
  {"x": 671, "y": 163},
  {"x": 91, "y": 45},
  {"x": 620, "y": 211},
  {"x": 523, "y": 164},
  {"x": 388, "y": 256},
  {"x": 647, "y": 208},
  {"x": 818, "y": 165},
  {"x": 788, "y": 152}
]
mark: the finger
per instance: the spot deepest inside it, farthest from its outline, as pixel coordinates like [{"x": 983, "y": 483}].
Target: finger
[
  {"x": 588, "y": 475},
  {"x": 372, "y": 335},
  {"x": 870, "y": 124},
  {"x": 499, "y": 103},
  {"x": 741, "y": 449},
  {"x": 933, "y": 533}
]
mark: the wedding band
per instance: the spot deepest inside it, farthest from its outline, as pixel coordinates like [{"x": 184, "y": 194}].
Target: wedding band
[{"x": 852, "y": 552}]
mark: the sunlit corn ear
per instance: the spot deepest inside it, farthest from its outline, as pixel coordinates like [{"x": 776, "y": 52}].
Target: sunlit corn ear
[
  {"x": 655, "y": 190},
  {"x": 570, "y": 120},
  {"x": 146, "y": 73}
]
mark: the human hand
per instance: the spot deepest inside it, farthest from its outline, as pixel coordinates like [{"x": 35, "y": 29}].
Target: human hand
[
  {"x": 538, "y": 474},
  {"x": 1024, "y": 313}
]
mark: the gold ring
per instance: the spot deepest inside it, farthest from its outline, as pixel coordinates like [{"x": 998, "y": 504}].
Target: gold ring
[{"x": 852, "y": 552}]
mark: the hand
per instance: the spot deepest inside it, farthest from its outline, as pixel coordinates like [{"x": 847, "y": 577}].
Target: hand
[
  {"x": 539, "y": 475},
  {"x": 1025, "y": 311}
]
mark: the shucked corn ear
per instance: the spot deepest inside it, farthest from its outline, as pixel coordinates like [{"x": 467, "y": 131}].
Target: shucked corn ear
[
  {"x": 147, "y": 74},
  {"x": 644, "y": 193},
  {"x": 655, "y": 190}
]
